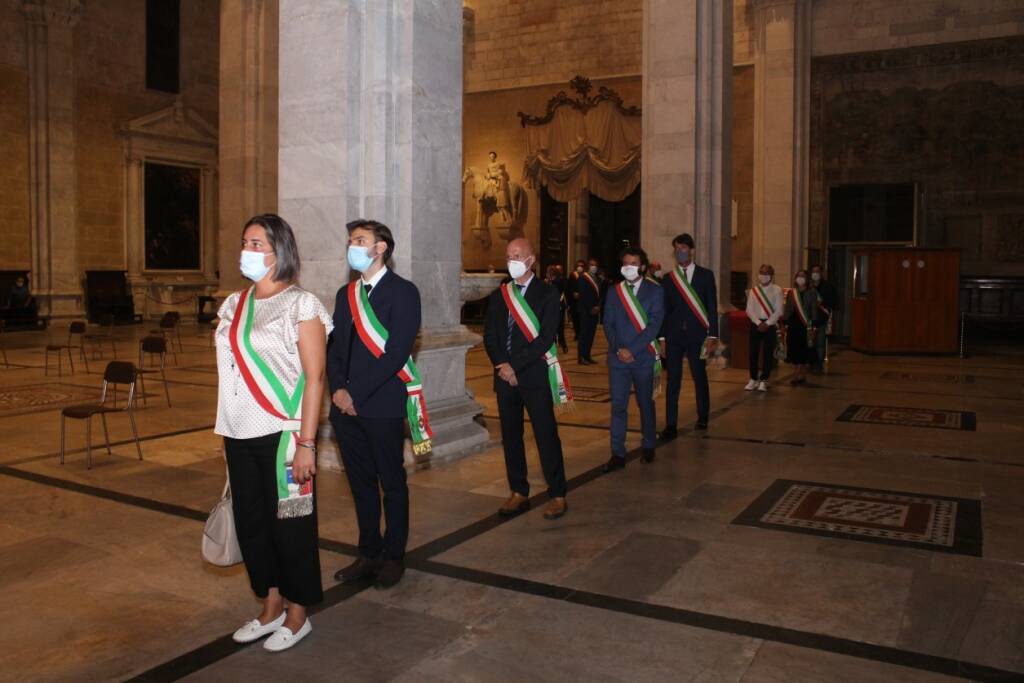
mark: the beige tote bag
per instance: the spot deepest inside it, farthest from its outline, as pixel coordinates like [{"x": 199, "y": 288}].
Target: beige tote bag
[{"x": 220, "y": 541}]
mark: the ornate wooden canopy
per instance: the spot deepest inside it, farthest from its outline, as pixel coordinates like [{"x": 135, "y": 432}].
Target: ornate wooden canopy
[{"x": 583, "y": 102}]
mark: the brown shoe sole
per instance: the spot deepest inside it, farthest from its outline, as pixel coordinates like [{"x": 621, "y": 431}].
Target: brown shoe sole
[
  {"x": 517, "y": 511},
  {"x": 556, "y": 515}
]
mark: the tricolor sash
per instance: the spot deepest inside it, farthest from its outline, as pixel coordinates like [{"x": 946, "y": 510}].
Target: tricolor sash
[
  {"x": 690, "y": 296},
  {"x": 375, "y": 336},
  {"x": 638, "y": 316},
  {"x": 804, "y": 315},
  {"x": 761, "y": 297},
  {"x": 526, "y": 320},
  {"x": 593, "y": 283},
  {"x": 271, "y": 395}
]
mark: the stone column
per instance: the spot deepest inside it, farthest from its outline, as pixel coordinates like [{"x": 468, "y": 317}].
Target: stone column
[
  {"x": 56, "y": 281},
  {"x": 687, "y": 110},
  {"x": 247, "y": 132},
  {"x": 781, "y": 104},
  {"x": 371, "y": 125}
]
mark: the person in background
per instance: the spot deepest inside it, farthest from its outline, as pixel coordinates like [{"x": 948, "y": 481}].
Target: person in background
[
  {"x": 19, "y": 297},
  {"x": 555, "y": 279},
  {"x": 633, "y": 315},
  {"x": 765, "y": 306},
  {"x": 654, "y": 271},
  {"x": 572, "y": 296},
  {"x": 800, "y": 314},
  {"x": 589, "y": 310},
  {"x": 827, "y": 301}
]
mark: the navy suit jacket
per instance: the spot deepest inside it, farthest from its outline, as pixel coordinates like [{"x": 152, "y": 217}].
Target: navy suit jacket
[
  {"x": 620, "y": 331},
  {"x": 373, "y": 382},
  {"x": 588, "y": 297},
  {"x": 680, "y": 322},
  {"x": 527, "y": 358}
]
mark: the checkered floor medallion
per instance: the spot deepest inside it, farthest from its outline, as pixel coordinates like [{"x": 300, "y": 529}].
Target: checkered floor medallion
[
  {"x": 910, "y": 417},
  {"x": 891, "y": 517},
  {"x": 590, "y": 394},
  {"x": 934, "y": 377},
  {"x": 36, "y": 398}
]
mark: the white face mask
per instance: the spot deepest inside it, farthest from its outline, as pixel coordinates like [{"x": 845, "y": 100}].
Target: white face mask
[
  {"x": 252, "y": 266},
  {"x": 631, "y": 273},
  {"x": 801, "y": 281},
  {"x": 765, "y": 279},
  {"x": 517, "y": 269},
  {"x": 592, "y": 270},
  {"x": 816, "y": 277}
]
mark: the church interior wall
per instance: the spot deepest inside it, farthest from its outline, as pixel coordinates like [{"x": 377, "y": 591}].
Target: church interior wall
[
  {"x": 14, "y": 200},
  {"x": 743, "y": 168}
]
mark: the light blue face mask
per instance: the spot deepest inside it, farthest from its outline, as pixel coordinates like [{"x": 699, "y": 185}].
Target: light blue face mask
[
  {"x": 359, "y": 258},
  {"x": 252, "y": 266}
]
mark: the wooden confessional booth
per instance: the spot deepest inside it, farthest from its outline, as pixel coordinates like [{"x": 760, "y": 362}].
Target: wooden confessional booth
[{"x": 905, "y": 300}]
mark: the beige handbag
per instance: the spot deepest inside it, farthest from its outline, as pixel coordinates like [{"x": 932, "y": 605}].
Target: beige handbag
[{"x": 220, "y": 541}]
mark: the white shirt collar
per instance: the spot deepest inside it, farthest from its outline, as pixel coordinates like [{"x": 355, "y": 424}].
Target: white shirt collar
[
  {"x": 635, "y": 285},
  {"x": 522, "y": 288},
  {"x": 376, "y": 277}
]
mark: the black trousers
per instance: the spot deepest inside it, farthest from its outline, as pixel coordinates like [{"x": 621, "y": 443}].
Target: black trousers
[
  {"x": 587, "y": 331},
  {"x": 278, "y": 553},
  {"x": 762, "y": 342},
  {"x": 560, "y": 339},
  {"x": 541, "y": 409},
  {"x": 372, "y": 452},
  {"x": 675, "y": 351}
]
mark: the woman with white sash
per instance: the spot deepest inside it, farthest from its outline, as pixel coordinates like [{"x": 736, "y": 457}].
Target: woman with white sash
[
  {"x": 271, "y": 348},
  {"x": 799, "y": 315},
  {"x": 764, "y": 308}
]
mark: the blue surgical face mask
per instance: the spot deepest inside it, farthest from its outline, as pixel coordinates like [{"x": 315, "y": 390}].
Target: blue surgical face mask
[
  {"x": 252, "y": 265},
  {"x": 683, "y": 256},
  {"x": 359, "y": 258}
]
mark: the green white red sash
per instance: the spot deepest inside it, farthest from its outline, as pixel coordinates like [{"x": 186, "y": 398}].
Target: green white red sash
[
  {"x": 804, "y": 316},
  {"x": 375, "y": 337},
  {"x": 590, "y": 280},
  {"x": 828, "y": 313},
  {"x": 638, "y": 316},
  {"x": 689, "y": 295},
  {"x": 761, "y": 297},
  {"x": 526, "y": 320},
  {"x": 272, "y": 396}
]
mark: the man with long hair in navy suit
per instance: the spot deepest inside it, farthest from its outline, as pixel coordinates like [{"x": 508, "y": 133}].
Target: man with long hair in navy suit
[{"x": 691, "y": 324}]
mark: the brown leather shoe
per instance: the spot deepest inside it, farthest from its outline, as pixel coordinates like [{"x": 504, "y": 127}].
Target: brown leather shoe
[
  {"x": 515, "y": 505},
  {"x": 556, "y": 508},
  {"x": 360, "y": 569}
]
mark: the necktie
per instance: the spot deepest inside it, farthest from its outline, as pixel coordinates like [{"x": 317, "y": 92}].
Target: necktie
[{"x": 511, "y": 324}]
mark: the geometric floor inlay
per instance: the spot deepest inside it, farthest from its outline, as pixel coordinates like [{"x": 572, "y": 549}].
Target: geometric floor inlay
[
  {"x": 910, "y": 417},
  {"x": 590, "y": 394},
  {"x": 890, "y": 517},
  {"x": 32, "y": 398},
  {"x": 936, "y": 377}
]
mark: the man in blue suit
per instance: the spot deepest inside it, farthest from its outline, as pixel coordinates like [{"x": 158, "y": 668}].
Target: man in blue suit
[
  {"x": 691, "y": 318},
  {"x": 633, "y": 315},
  {"x": 369, "y": 403},
  {"x": 588, "y": 310}
]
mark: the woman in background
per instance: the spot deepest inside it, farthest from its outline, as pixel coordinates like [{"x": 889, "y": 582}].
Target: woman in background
[{"x": 800, "y": 314}]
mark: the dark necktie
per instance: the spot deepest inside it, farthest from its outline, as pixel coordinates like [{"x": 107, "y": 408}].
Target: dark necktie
[
  {"x": 352, "y": 336},
  {"x": 511, "y": 324}
]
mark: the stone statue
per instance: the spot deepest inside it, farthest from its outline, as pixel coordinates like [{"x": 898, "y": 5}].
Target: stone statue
[{"x": 496, "y": 194}]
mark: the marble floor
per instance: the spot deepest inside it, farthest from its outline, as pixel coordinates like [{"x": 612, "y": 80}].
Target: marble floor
[{"x": 866, "y": 527}]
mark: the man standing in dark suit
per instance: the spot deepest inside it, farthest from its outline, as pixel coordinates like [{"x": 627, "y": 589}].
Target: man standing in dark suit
[
  {"x": 554, "y": 278},
  {"x": 691, "y": 324},
  {"x": 369, "y": 398},
  {"x": 588, "y": 310},
  {"x": 519, "y": 335}
]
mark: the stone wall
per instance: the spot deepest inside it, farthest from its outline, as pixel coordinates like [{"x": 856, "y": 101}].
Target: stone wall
[
  {"x": 743, "y": 168},
  {"x": 842, "y": 26},
  {"x": 14, "y": 215}
]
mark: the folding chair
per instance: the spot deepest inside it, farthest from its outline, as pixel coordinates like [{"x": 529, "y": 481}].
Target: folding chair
[
  {"x": 76, "y": 328},
  {"x": 105, "y": 335},
  {"x": 117, "y": 372},
  {"x": 169, "y": 328},
  {"x": 154, "y": 346},
  {"x": 3, "y": 346}
]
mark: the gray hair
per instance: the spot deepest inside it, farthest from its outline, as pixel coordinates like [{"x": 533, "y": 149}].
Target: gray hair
[{"x": 282, "y": 241}]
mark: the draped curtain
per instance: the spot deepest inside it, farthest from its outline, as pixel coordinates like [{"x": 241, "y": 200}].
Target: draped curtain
[{"x": 596, "y": 150}]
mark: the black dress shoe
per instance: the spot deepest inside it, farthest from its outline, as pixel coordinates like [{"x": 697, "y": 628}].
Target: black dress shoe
[
  {"x": 668, "y": 433},
  {"x": 647, "y": 455},
  {"x": 614, "y": 463},
  {"x": 702, "y": 423},
  {"x": 360, "y": 569},
  {"x": 390, "y": 573}
]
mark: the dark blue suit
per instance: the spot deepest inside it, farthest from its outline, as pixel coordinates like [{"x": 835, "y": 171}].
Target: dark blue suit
[
  {"x": 588, "y": 301},
  {"x": 372, "y": 441},
  {"x": 639, "y": 374},
  {"x": 684, "y": 334}
]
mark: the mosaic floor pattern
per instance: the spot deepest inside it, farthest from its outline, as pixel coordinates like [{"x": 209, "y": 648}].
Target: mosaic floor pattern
[
  {"x": 910, "y": 417},
  {"x": 934, "y": 523},
  {"x": 34, "y": 398}
]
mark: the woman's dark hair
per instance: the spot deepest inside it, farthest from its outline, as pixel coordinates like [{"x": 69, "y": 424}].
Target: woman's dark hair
[
  {"x": 282, "y": 241},
  {"x": 685, "y": 238},
  {"x": 381, "y": 233},
  {"x": 636, "y": 251}
]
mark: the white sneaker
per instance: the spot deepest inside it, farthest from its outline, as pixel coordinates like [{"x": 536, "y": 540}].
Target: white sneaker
[
  {"x": 762, "y": 386},
  {"x": 283, "y": 637},
  {"x": 751, "y": 385},
  {"x": 254, "y": 630}
]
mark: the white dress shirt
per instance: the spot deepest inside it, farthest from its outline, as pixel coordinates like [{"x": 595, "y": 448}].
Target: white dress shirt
[
  {"x": 375, "y": 279},
  {"x": 757, "y": 314}
]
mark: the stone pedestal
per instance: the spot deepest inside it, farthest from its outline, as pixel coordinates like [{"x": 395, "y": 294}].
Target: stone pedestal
[
  {"x": 370, "y": 121},
  {"x": 687, "y": 58}
]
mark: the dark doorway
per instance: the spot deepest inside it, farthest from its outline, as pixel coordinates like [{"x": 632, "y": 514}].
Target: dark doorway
[
  {"x": 613, "y": 227},
  {"x": 172, "y": 217},
  {"x": 554, "y": 230}
]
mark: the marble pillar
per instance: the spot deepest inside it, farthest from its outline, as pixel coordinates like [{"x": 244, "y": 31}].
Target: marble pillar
[
  {"x": 370, "y": 125},
  {"x": 781, "y": 134},
  {"x": 687, "y": 65},
  {"x": 52, "y": 184},
  {"x": 247, "y": 138}
]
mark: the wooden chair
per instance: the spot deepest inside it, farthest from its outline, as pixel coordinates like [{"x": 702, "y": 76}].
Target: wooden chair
[
  {"x": 117, "y": 372},
  {"x": 3, "y": 346},
  {"x": 169, "y": 327},
  {"x": 105, "y": 335},
  {"x": 154, "y": 346},
  {"x": 77, "y": 328}
]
